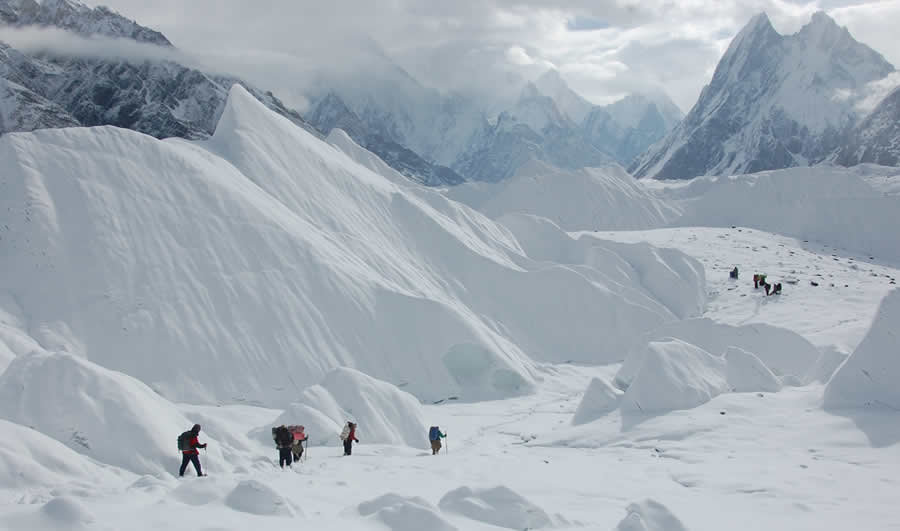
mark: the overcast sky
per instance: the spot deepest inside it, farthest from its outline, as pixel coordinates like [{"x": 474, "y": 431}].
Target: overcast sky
[{"x": 604, "y": 48}]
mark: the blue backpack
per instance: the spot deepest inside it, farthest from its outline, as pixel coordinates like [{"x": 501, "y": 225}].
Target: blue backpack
[{"x": 434, "y": 433}]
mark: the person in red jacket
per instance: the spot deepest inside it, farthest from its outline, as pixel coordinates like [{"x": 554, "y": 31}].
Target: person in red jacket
[
  {"x": 348, "y": 435},
  {"x": 192, "y": 455}
]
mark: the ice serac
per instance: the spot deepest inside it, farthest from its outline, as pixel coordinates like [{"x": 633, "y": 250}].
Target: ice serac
[
  {"x": 869, "y": 376},
  {"x": 774, "y": 102},
  {"x": 674, "y": 375},
  {"x": 384, "y": 413},
  {"x": 259, "y": 260}
]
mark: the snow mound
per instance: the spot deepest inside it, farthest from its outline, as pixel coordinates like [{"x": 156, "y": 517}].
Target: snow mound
[
  {"x": 869, "y": 376},
  {"x": 385, "y": 414},
  {"x": 746, "y": 373},
  {"x": 605, "y": 198},
  {"x": 100, "y": 413},
  {"x": 402, "y": 513},
  {"x": 599, "y": 399},
  {"x": 674, "y": 375},
  {"x": 831, "y": 205},
  {"x": 251, "y": 496},
  {"x": 261, "y": 259},
  {"x": 29, "y": 459},
  {"x": 784, "y": 352},
  {"x": 650, "y": 515},
  {"x": 499, "y": 506},
  {"x": 65, "y": 510}
]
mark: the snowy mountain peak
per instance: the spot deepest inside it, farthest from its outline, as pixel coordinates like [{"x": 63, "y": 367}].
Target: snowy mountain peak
[
  {"x": 774, "y": 102},
  {"x": 75, "y": 16},
  {"x": 551, "y": 84}
]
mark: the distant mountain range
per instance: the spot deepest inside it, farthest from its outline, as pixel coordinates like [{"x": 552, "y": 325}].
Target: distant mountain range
[{"x": 774, "y": 101}]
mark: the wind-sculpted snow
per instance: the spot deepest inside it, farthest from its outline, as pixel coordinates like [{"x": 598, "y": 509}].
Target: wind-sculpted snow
[
  {"x": 650, "y": 515},
  {"x": 102, "y": 414},
  {"x": 246, "y": 267},
  {"x": 604, "y": 198},
  {"x": 869, "y": 377},
  {"x": 402, "y": 513}
]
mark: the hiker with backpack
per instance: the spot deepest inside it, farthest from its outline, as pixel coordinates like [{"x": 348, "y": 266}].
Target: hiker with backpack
[
  {"x": 734, "y": 273},
  {"x": 299, "y": 438},
  {"x": 284, "y": 441},
  {"x": 435, "y": 436},
  {"x": 348, "y": 435},
  {"x": 188, "y": 443}
]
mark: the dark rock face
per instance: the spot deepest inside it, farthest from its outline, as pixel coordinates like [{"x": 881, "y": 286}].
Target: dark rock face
[
  {"x": 877, "y": 138},
  {"x": 161, "y": 98},
  {"x": 332, "y": 113}
]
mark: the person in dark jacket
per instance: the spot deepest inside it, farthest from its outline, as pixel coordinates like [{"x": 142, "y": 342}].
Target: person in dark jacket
[
  {"x": 192, "y": 454},
  {"x": 284, "y": 441},
  {"x": 348, "y": 435}
]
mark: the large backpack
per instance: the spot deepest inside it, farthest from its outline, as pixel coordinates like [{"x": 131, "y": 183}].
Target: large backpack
[
  {"x": 282, "y": 436},
  {"x": 184, "y": 441},
  {"x": 434, "y": 433}
]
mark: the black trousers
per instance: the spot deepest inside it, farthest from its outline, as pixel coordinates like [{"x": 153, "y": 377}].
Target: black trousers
[
  {"x": 284, "y": 457},
  {"x": 348, "y": 447},
  {"x": 190, "y": 458}
]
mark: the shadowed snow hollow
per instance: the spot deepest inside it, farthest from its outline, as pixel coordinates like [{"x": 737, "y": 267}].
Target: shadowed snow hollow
[
  {"x": 871, "y": 374},
  {"x": 82, "y": 405},
  {"x": 605, "y": 198},
  {"x": 384, "y": 414},
  {"x": 245, "y": 268}
]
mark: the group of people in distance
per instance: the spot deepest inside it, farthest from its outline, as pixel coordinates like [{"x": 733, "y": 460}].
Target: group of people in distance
[
  {"x": 759, "y": 281},
  {"x": 290, "y": 443}
]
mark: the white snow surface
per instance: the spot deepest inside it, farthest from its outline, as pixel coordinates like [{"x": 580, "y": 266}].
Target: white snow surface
[
  {"x": 606, "y": 198},
  {"x": 747, "y": 373},
  {"x": 869, "y": 377}
]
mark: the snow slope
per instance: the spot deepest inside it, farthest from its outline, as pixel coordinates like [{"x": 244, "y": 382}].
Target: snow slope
[
  {"x": 604, "y": 198},
  {"x": 266, "y": 248},
  {"x": 869, "y": 377}
]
